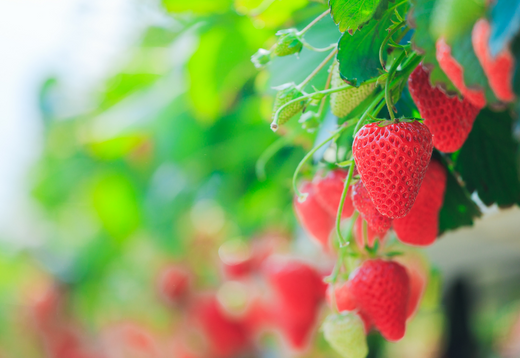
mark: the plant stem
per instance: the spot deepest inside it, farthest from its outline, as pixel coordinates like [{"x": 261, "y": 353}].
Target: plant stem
[
  {"x": 388, "y": 97},
  {"x": 342, "y": 241},
  {"x": 316, "y": 49},
  {"x": 388, "y": 37},
  {"x": 311, "y": 153},
  {"x": 313, "y": 22},
  {"x": 268, "y": 154},
  {"x": 317, "y": 69}
]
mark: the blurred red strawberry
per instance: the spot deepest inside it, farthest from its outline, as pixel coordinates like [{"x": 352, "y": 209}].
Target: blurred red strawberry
[
  {"x": 328, "y": 191},
  {"x": 227, "y": 336},
  {"x": 174, "y": 283},
  {"x": 313, "y": 217}
]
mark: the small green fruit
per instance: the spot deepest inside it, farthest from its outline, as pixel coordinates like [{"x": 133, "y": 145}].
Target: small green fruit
[
  {"x": 287, "y": 93},
  {"x": 343, "y": 102},
  {"x": 261, "y": 58},
  {"x": 345, "y": 333},
  {"x": 288, "y": 43}
]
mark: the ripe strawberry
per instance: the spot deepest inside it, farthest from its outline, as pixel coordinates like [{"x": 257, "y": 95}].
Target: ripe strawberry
[
  {"x": 392, "y": 161},
  {"x": 313, "y": 217},
  {"x": 382, "y": 290},
  {"x": 377, "y": 222},
  {"x": 421, "y": 226},
  {"x": 372, "y": 235},
  {"x": 455, "y": 73},
  {"x": 295, "y": 282},
  {"x": 174, "y": 283},
  {"x": 449, "y": 119},
  {"x": 345, "y": 301},
  {"x": 500, "y": 69},
  {"x": 227, "y": 336},
  {"x": 346, "y": 335},
  {"x": 329, "y": 190},
  {"x": 343, "y": 102},
  {"x": 299, "y": 290},
  {"x": 287, "y": 93}
]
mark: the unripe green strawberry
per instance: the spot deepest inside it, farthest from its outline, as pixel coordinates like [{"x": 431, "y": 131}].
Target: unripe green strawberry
[
  {"x": 343, "y": 102},
  {"x": 261, "y": 58},
  {"x": 285, "y": 94},
  {"x": 288, "y": 43},
  {"x": 346, "y": 334}
]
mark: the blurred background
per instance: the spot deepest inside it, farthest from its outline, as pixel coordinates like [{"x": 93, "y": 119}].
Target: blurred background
[{"x": 134, "y": 135}]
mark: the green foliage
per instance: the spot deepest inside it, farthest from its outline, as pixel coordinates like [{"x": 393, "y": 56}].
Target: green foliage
[
  {"x": 358, "y": 54},
  {"x": 420, "y": 18},
  {"x": 350, "y": 15},
  {"x": 487, "y": 161}
]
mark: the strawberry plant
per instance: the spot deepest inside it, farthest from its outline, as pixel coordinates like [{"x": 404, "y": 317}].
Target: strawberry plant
[{"x": 266, "y": 190}]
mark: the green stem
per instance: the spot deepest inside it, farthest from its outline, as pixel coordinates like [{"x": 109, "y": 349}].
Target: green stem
[
  {"x": 387, "y": 38},
  {"x": 313, "y": 22},
  {"x": 317, "y": 69},
  {"x": 316, "y": 49},
  {"x": 311, "y": 153},
  {"x": 342, "y": 241},
  {"x": 268, "y": 153},
  {"x": 388, "y": 96}
]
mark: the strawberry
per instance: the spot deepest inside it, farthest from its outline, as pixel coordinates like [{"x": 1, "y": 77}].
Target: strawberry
[
  {"x": 297, "y": 284},
  {"x": 381, "y": 290},
  {"x": 313, "y": 217},
  {"x": 455, "y": 73},
  {"x": 288, "y": 43},
  {"x": 227, "y": 336},
  {"x": 499, "y": 69},
  {"x": 329, "y": 190},
  {"x": 421, "y": 226},
  {"x": 345, "y": 301},
  {"x": 377, "y": 222},
  {"x": 343, "y": 102},
  {"x": 285, "y": 94},
  {"x": 174, "y": 283},
  {"x": 392, "y": 161},
  {"x": 345, "y": 334},
  {"x": 298, "y": 292},
  {"x": 372, "y": 235},
  {"x": 449, "y": 119}
]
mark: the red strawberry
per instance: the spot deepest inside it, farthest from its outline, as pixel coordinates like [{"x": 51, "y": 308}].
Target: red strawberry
[
  {"x": 382, "y": 290},
  {"x": 345, "y": 301},
  {"x": 313, "y": 217},
  {"x": 378, "y": 223},
  {"x": 299, "y": 291},
  {"x": 392, "y": 161},
  {"x": 421, "y": 226},
  {"x": 455, "y": 73},
  {"x": 372, "y": 235},
  {"x": 174, "y": 283},
  {"x": 328, "y": 193},
  {"x": 296, "y": 283},
  {"x": 499, "y": 70},
  {"x": 227, "y": 336},
  {"x": 448, "y": 118}
]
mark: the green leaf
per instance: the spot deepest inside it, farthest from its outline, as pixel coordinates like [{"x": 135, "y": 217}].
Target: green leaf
[
  {"x": 505, "y": 24},
  {"x": 458, "y": 209},
  {"x": 358, "y": 55},
  {"x": 515, "y": 49},
  {"x": 487, "y": 160},
  {"x": 350, "y": 15},
  {"x": 450, "y": 18},
  {"x": 424, "y": 42}
]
